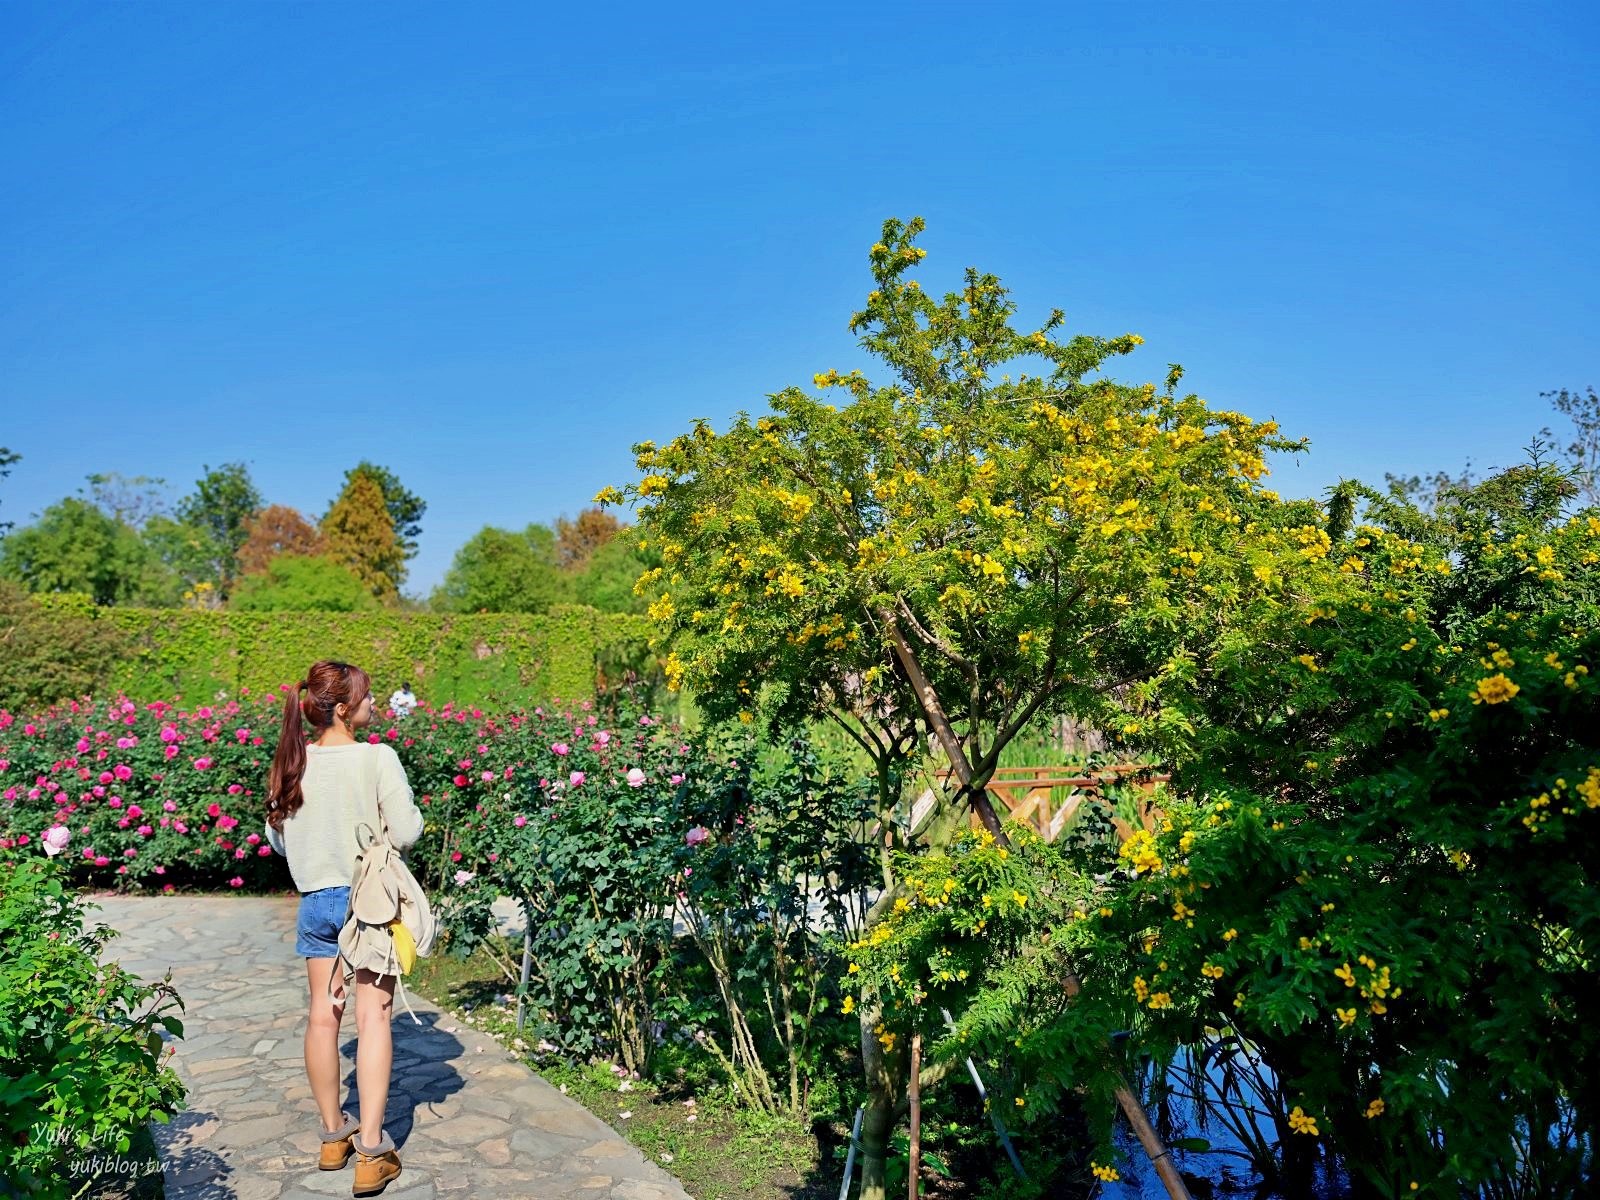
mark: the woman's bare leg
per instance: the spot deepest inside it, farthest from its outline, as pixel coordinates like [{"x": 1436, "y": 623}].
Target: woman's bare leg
[
  {"x": 374, "y": 1050},
  {"x": 322, "y": 1041}
]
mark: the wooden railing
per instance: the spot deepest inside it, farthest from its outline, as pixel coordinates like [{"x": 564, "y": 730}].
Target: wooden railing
[{"x": 1048, "y": 798}]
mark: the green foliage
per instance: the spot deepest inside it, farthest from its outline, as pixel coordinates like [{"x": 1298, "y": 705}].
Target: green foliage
[
  {"x": 605, "y": 580},
  {"x": 219, "y": 505},
  {"x": 297, "y": 583},
  {"x": 498, "y": 571},
  {"x": 190, "y": 555},
  {"x": 74, "y": 547},
  {"x": 52, "y": 653},
  {"x": 405, "y": 507},
  {"x": 8, "y": 459},
  {"x": 82, "y": 1061}
]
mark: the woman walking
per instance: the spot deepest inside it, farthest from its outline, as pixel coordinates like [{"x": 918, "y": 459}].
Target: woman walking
[{"x": 318, "y": 791}]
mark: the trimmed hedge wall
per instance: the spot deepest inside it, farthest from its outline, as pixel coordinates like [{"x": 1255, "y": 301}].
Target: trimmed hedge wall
[{"x": 464, "y": 658}]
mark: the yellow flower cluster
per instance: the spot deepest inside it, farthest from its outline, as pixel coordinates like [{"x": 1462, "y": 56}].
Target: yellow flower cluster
[
  {"x": 1140, "y": 852},
  {"x": 1375, "y": 1109},
  {"x": 1300, "y": 1122},
  {"x": 1104, "y": 1174},
  {"x": 1494, "y": 689}
]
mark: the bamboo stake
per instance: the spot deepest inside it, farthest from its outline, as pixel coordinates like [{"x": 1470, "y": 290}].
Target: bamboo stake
[{"x": 914, "y": 1087}]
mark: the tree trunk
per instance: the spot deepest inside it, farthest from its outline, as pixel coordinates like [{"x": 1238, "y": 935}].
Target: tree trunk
[{"x": 885, "y": 1081}]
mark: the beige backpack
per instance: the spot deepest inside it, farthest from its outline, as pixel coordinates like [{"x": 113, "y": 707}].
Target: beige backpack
[{"x": 384, "y": 897}]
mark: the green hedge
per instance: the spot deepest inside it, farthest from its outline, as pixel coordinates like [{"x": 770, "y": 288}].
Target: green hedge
[{"x": 467, "y": 659}]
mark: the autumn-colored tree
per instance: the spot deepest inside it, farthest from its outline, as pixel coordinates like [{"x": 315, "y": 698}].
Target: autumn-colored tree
[
  {"x": 405, "y": 507},
  {"x": 969, "y": 548},
  {"x": 274, "y": 530},
  {"x": 358, "y": 532},
  {"x": 577, "y": 540}
]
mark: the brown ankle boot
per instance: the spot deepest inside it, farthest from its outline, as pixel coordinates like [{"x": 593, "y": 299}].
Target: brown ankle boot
[
  {"x": 375, "y": 1166},
  {"x": 336, "y": 1147}
]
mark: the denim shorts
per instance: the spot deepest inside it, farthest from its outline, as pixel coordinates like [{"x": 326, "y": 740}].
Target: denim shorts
[{"x": 321, "y": 919}]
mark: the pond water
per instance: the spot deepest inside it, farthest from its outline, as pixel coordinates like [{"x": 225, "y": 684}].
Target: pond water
[{"x": 1225, "y": 1068}]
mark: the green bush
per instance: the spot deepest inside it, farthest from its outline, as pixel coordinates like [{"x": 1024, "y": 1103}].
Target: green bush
[
  {"x": 73, "y": 648},
  {"x": 82, "y": 1064},
  {"x": 52, "y": 652}
]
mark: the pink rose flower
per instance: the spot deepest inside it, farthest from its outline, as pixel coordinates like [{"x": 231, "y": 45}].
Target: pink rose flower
[
  {"x": 635, "y": 777},
  {"x": 236, "y": 882},
  {"x": 697, "y": 835},
  {"x": 576, "y": 778},
  {"x": 122, "y": 771},
  {"x": 519, "y": 821}
]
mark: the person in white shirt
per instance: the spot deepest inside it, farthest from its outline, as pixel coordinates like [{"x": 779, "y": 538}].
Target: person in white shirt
[
  {"x": 402, "y": 700},
  {"x": 318, "y": 791}
]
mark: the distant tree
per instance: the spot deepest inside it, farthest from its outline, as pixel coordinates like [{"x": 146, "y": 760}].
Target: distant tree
[
  {"x": 131, "y": 499},
  {"x": 189, "y": 555},
  {"x": 74, "y": 547},
  {"x": 8, "y": 459},
  {"x": 221, "y": 501},
  {"x": 274, "y": 530},
  {"x": 502, "y": 571},
  {"x": 1583, "y": 451},
  {"x": 405, "y": 507},
  {"x": 301, "y": 583},
  {"x": 608, "y": 576},
  {"x": 359, "y": 533},
  {"x": 577, "y": 540}
]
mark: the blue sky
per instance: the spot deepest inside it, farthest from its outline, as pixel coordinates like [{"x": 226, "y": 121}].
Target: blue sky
[{"x": 492, "y": 246}]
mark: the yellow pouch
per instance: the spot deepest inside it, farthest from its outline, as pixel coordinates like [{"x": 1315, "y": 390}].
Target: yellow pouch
[{"x": 405, "y": 948}]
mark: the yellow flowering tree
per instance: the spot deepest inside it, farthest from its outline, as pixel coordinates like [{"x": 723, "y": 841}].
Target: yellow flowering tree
[
  {"x": 995, "y": 532},
  {"x": 1379, "y": 870}
]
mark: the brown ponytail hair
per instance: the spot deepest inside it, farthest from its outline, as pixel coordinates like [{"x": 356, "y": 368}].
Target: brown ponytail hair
[{"x": 327, "y": 685}]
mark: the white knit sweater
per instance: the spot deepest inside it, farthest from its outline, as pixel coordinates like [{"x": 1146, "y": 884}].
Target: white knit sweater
[{"x": 344, "y": 785}]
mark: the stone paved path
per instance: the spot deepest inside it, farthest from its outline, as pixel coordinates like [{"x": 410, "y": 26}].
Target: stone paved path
[{"x": 467, "y": 1117}]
